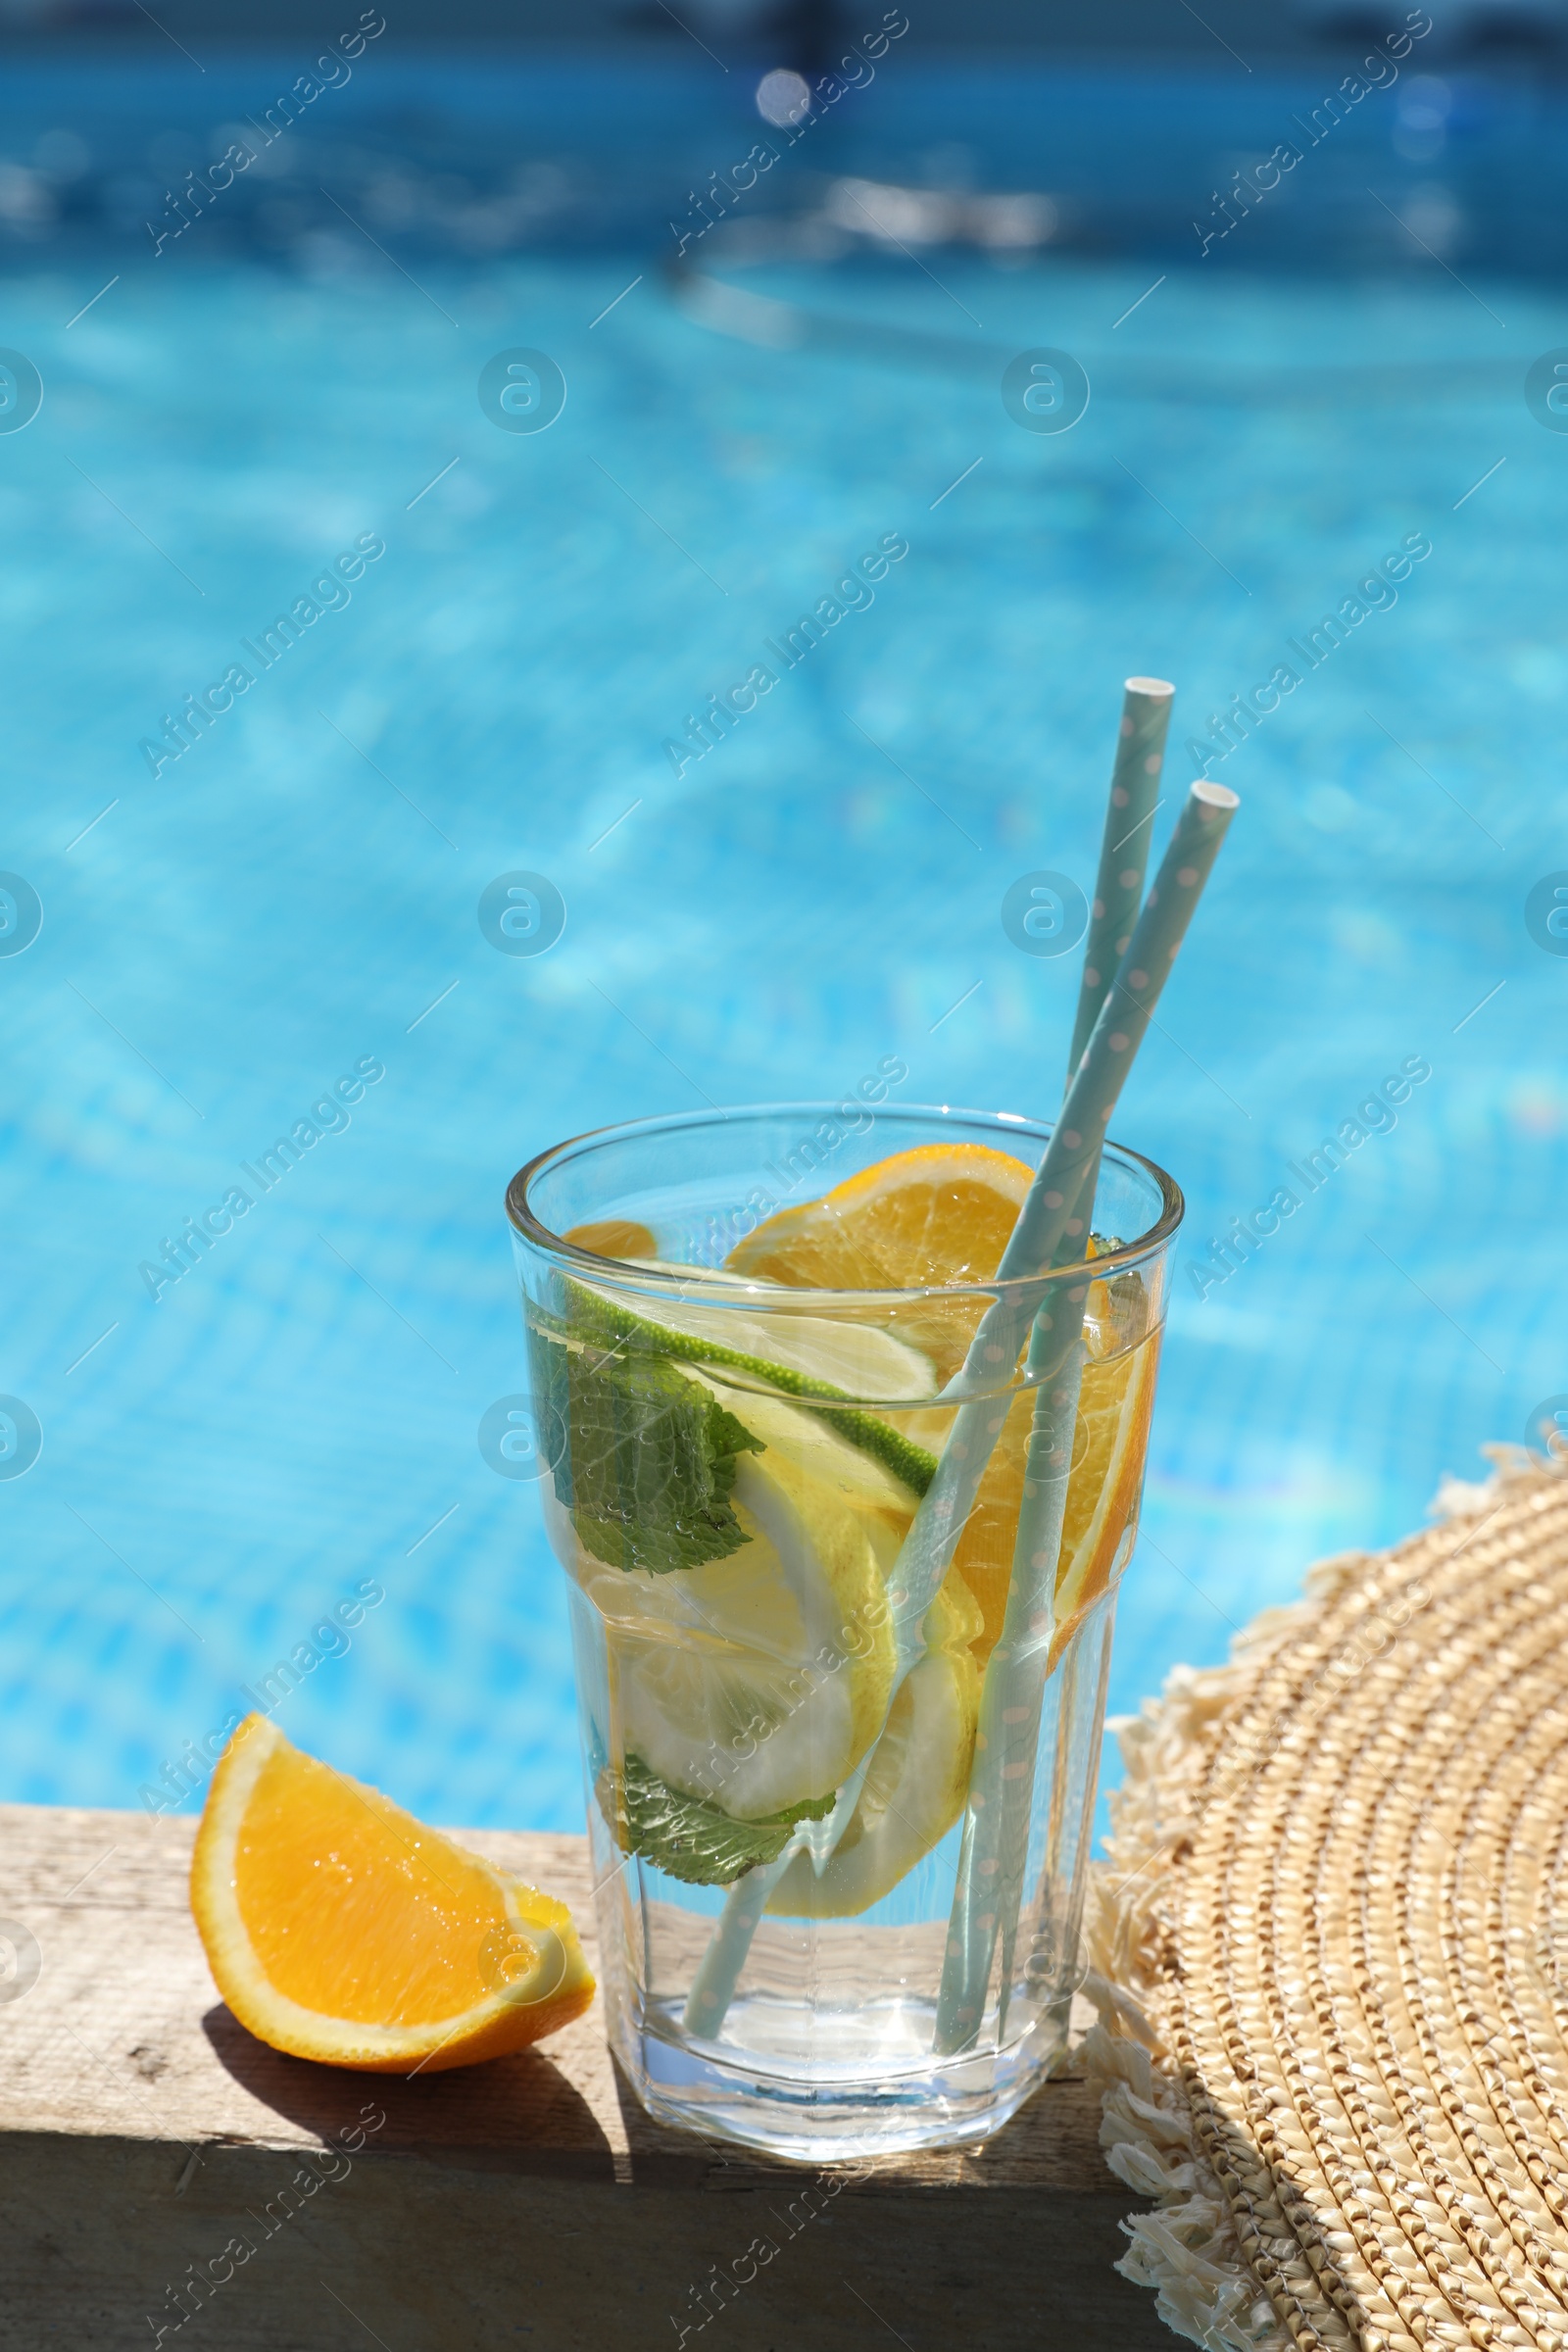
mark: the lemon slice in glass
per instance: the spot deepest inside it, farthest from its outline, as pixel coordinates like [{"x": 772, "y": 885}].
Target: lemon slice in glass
[{"x": 914, "y": 1790}]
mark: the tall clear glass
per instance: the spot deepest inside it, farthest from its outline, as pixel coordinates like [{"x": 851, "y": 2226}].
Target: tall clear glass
[{"x": 780, "y": 1775}]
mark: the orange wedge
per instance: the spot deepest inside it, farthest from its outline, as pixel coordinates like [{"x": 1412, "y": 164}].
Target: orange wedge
[
  {"x": 935, "y": 1216},
  {"x": 941, "y": 1214},
  {"x": 1114, "y": 1405},
  {"x": 339, "y": 1928},
  {"x": 614, "y": 1236}
]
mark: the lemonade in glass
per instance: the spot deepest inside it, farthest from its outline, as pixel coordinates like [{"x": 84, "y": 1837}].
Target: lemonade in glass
[{"x": 743, "y": 1386}]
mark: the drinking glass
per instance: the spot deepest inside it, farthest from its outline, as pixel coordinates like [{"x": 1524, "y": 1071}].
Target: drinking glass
[{"x": 728, "y": 1471}]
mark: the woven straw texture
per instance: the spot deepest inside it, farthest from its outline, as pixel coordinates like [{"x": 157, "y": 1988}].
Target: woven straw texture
[{"x": 1329, "y": 1943}]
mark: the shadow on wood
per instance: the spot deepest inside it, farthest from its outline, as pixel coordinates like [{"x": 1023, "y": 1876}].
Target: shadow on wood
[
  {"x": 523, "y": 2107},
  {"x": 167, "y": 2179}
]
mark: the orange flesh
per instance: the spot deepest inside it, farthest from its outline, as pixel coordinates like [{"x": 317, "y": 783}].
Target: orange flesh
[
  {"x": 983, "y": 1555},
  {"x": 408, "y": 1912},
  {"x": 614, "y": 1236},
  {"x": 945, "y": 1220}
]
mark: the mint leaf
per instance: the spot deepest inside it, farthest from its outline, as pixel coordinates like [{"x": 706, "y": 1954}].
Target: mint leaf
[
  {"x": 649, "y": 1460},
  {"x": 689, "y": 1838}
]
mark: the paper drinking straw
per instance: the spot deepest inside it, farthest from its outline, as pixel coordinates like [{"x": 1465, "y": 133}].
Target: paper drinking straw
[
  {"x": 1011, "y": 1702},
  {"x": 719, "y": 1968},
  {"x": 1048, "y": 1233},
  {"x": 994, "y": 1851},
  {"x": 1001, "y": 1793},
  {"x": 1124, "y": 846},
  {"x": 1049, "y": 1215}
]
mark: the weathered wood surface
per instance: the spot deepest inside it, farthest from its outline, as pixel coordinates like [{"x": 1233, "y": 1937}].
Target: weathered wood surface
[{"x": 529, "y": 2202}]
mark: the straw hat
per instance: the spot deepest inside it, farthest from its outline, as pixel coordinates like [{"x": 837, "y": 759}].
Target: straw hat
[{"x": 1332, "y": 1952}]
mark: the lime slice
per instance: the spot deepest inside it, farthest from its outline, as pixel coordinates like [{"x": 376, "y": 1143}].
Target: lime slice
[
  {"x": 735, "y": 1543},
  {"x": 803, "y": 1355},
  {"x": 914, "y": 1788},
  {"x": 855, "y": 1358}
]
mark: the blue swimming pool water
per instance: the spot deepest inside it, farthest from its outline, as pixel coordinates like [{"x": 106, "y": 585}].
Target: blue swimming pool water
[{"x": 296, "y": 895}]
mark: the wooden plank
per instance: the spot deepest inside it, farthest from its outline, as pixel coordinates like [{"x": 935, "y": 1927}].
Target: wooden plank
[{"x": 526, "y": 2202}]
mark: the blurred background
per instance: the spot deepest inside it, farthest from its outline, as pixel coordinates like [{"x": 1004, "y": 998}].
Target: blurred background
[{"x": 730, "y": 377}]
